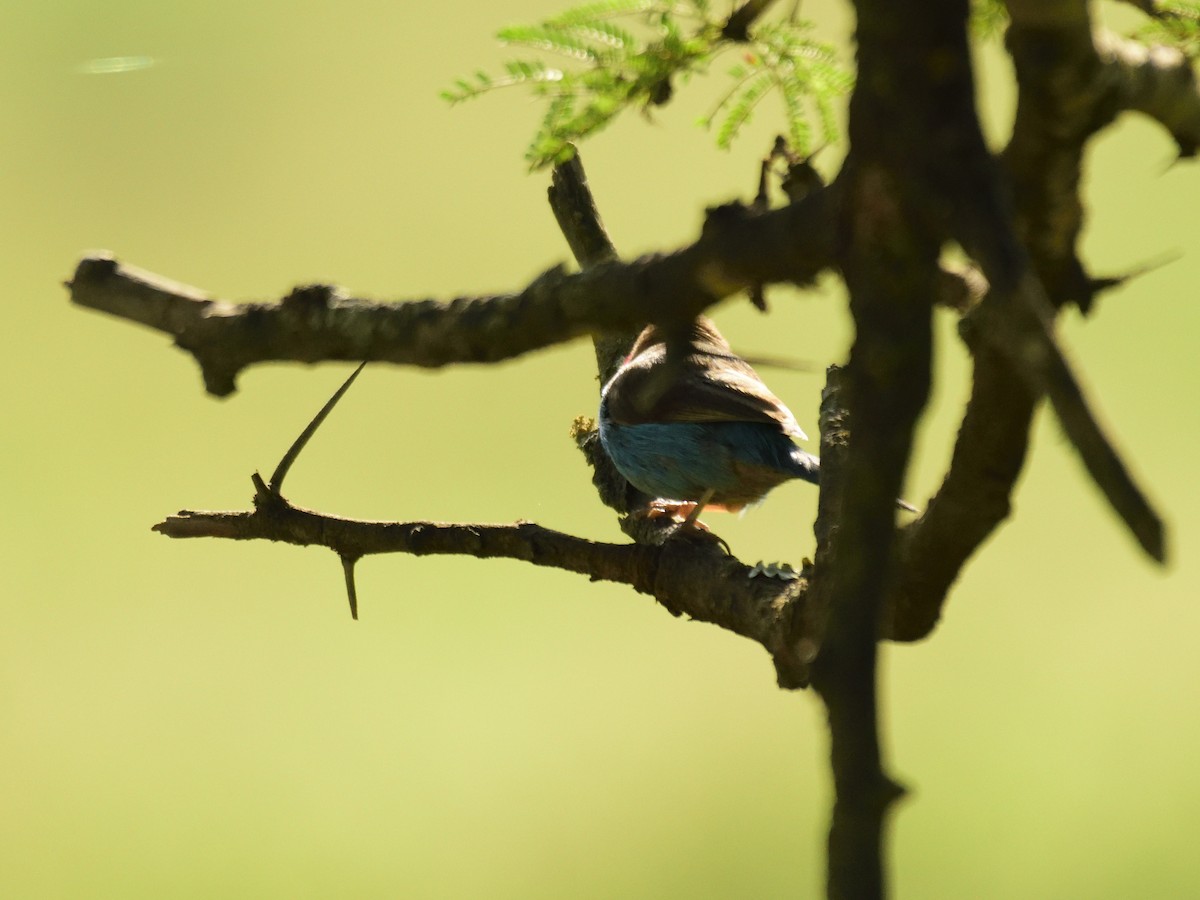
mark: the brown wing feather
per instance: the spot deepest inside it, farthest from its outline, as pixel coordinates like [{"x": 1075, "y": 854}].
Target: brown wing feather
[
  {"x": 698, "y": 380},
  {"x": 722, "y": 390}
]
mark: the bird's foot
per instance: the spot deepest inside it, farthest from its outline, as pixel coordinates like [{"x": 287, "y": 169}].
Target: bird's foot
[
  {"x": 680, "y": 511},
  {"x": 681, "y": 519}
]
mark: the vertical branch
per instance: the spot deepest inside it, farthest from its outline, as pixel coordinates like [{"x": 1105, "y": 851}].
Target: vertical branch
[
  {"x": 579, "y": 220},
  {"x": 912, "y": 123},
  {"x": 890, "y": 269}
]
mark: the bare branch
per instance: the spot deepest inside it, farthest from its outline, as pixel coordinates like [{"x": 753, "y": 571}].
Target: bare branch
[
  {"x": 1016, "y": 360},
  {"x": 1031, "y": 258},
  {"x": 1061, "y": 103},
  {"x": 687, "y": 576},
  {"x": 578, "y": 218},
  {"x": 577, "y": 215},
  {"x": 735, "y": 249},
  {"x": 911, "y": 126}
]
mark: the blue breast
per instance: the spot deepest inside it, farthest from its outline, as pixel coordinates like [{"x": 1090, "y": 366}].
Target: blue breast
[{"x": 739, "y": 461}]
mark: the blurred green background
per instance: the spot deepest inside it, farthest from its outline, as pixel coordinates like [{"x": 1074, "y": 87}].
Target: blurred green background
[{"x": 198, "y": 719}]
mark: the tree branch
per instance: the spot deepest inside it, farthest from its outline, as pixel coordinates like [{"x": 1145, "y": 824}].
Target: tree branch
[
  {"x": 1157, "y": 81},
  {"x": 1066, "y": 96},
  {"x": 692, "y": 577},
  {"x": 689, "y": 574},
  {"x": 1016, "y": 356},
  {"x": 912, "y": 122},
  {"x": 319, "y": 322},
  {"x": 1072, "y": 83},
  {"x": 578, "y": 218}
]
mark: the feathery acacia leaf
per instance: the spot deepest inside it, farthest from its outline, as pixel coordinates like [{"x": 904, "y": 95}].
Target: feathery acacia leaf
[
  {"x": 591, "y": 13},
  {"x": 803, "y": 70},
  {"x": 742, "y": 105},
  {"x": 640, "y": 66},
  {"x": 1175, "y": 23}
]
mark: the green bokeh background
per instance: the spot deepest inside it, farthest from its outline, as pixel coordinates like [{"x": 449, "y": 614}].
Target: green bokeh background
[{"x": 202, "y": 718}]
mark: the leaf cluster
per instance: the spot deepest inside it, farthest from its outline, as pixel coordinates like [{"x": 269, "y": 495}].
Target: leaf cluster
[
  {"x": 1175, "y": 23},
  {"x": 622, "y": 54}
]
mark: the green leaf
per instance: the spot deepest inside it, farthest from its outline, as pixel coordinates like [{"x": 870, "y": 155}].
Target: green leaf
[
  {"x": 555, "y": 40},
  {"x": 1175, "y": 23},
  {"x": 592, "y": 13},
  {"x": 738, "y": 113},
  {"x": 641, "y": 62}
]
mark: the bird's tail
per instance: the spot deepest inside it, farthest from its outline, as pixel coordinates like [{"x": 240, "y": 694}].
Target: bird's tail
[
  {"x": 804, "y": 465},
  {"x": 808, "y": 467}
]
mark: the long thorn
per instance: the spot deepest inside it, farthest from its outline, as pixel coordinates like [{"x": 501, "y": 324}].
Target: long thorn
[
  {"x": 281, "y": 470},
  {"x": 1111, "y": 281},
  {"x": 351, "y": 592}
]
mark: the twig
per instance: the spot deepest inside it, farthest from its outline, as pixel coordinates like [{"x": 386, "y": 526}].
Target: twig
[{"x": 578, "y": 218}]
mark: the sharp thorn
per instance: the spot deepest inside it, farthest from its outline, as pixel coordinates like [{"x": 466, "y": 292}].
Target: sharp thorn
[{"x": 285, "y": 464}]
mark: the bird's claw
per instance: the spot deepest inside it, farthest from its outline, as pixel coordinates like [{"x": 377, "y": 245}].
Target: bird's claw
[
  {"x": 681, "y": 514},
  {"x": 675, "y": 510}
]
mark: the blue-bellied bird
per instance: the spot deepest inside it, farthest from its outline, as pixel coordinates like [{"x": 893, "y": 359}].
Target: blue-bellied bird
[{"x": 689, "y": 422}]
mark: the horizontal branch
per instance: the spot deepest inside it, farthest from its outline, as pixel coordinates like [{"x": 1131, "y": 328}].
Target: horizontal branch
[
  {"x": 736, "y": 250},
  {"x": 690, "y": 576}
]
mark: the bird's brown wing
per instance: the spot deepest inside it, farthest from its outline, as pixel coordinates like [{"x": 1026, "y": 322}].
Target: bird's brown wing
[
  {"x": 723, "y": 389},
  {"x": 697, "y": 386}
]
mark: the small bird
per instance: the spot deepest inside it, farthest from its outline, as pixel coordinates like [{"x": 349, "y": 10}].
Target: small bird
[{"x": 689, "y": 422}]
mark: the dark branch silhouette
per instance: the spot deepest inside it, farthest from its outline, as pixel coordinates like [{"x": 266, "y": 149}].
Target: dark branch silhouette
[{"x": 319, "y": 322}]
